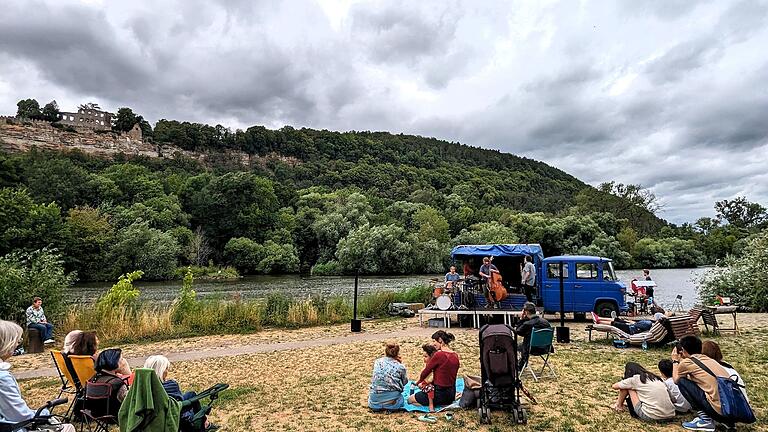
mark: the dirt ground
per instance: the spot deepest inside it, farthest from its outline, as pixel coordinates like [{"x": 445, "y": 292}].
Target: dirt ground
[{"x": 324, "y": 388}]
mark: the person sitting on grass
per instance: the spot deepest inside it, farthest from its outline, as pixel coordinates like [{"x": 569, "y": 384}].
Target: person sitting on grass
[
  {"x": 13, "y": 408},
  {"x": 161, "y": 365},
  {"x": 429, "y": 389},
  {"x": 711, "y": 349},
  {"x": 698, "y": 386},
  {"x": 444, "y": 366},
  {"x": 37, "y": 320},
  {"x": 681, "y": 405},
  {"x": 388, "y": 380},
  {"x": 645, "y": 395}
]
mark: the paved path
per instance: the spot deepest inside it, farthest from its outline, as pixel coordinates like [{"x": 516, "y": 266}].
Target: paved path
[{"x": 256, "y": 348}]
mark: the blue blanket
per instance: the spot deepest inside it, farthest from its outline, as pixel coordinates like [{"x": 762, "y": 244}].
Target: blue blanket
[{"x": 412, "y": 385}]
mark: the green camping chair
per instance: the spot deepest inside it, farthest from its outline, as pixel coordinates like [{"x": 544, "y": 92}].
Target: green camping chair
[
  {"x": 541, "y": 346},
  {"x": 147, "y": 407}
]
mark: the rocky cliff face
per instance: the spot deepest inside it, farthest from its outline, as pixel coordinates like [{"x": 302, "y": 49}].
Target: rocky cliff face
[{"x": 21, "y": 136}]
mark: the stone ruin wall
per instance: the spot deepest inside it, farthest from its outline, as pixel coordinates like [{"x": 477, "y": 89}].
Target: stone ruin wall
[{"x": 22, "y": 135}]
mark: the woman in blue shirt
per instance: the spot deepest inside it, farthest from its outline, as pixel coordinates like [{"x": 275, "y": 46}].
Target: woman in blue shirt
[
  {"x": 389, "y": 379},
  {"x": 13, "y": 409}
]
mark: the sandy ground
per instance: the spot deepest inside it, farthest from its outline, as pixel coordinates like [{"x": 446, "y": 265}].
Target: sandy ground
[{"x": 324, "y": 388}]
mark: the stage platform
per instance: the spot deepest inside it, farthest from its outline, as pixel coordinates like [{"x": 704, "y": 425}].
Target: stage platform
[{"x": 449, "y": 315}]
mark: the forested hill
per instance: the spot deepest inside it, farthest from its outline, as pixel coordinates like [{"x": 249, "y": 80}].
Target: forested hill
[{"x": 320, "y": 201}]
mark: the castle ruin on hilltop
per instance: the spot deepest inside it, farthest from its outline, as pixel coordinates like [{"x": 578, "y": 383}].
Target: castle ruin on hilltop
[{"x": 88, "y": 115}]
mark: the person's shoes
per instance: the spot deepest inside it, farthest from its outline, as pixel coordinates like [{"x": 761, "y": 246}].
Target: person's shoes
[
  {"x": 49, "y": 341},
  {"x": 613, "y": 314},
  {"x": 699, "y": 424},
  {"x": 595, "y": 318}
]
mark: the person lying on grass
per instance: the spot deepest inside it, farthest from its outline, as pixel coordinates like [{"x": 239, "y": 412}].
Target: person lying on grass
[
  {"x": 645, "y": 394},
  {"x": 388, "y": 380},
  {"x": 444, "y": 366}
]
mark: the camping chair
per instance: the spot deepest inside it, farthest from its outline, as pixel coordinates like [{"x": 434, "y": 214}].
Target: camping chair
[
  {"x": 74, "y": 371},
  {"x": 148, "y": 407},
  {"x": 541, "y": 342},
  {"x": 101, "y": 403}
]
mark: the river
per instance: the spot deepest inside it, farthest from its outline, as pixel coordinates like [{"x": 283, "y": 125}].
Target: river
[{"x": 671, "y": 282}]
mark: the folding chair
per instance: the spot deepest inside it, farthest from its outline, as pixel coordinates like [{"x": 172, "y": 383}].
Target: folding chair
[
  {"x": 101, "y": 404},
  {"x": 541, "y": 346},
  {"x": 76, "y": 370},
  {"x": 677, "y": 305}
]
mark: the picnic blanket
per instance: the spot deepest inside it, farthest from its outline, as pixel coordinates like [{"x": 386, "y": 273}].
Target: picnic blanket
[{"x": 412, "y": 386}]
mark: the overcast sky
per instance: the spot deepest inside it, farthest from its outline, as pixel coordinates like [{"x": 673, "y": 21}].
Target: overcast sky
[{"x": 671, "y": 94}]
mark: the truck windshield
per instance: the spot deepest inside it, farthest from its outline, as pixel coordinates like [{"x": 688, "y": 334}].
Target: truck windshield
[{"x": 608, "y": 273}]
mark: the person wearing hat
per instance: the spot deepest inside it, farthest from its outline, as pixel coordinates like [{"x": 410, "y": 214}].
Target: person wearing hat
[{"x": 529, "y": 321}]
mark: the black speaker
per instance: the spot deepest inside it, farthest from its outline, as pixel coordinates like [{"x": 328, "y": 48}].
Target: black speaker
[{"x": 563, "y": 334}]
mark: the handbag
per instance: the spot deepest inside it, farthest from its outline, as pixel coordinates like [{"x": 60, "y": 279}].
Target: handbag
[{"x": 732, "y": 402}]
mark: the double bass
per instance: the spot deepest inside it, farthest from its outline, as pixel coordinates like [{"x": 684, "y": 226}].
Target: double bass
[{"x": 496, "y": 290}]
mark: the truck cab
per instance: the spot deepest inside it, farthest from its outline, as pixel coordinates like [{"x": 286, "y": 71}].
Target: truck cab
[{"x": 589, "y": 284}]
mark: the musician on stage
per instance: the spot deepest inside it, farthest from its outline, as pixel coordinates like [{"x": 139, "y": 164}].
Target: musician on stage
[
  {"x": 452, "y": 277},
  {"x": 486, "y": 270}
]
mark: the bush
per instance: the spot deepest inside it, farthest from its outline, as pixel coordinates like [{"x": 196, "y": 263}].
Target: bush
[
  {"x": 26, "y": 275},
  {"x": 276, "y": 309},
  {"x": 330, "y": 268},
  {"x": 122, "y": 294},
  {"x": 211, "y": 272},
  {"x": 743, "y": 278}
]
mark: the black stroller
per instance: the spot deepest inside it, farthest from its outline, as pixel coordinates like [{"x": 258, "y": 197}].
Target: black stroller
[{"x": 500, "y": 380}]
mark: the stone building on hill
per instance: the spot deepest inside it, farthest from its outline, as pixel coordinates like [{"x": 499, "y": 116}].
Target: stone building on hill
[{"x": 88, "y": 116}]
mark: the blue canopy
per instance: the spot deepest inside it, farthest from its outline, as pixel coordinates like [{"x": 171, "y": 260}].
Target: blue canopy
[{"x": 504, "y": 250}]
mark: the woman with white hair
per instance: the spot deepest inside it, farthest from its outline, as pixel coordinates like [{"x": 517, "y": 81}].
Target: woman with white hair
[
  {"x": 13, "y": 408},
  {"x": 161, "y": 365}
]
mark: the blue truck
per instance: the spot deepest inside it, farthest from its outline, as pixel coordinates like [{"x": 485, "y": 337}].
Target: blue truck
[{"x": 589, "y": 282}]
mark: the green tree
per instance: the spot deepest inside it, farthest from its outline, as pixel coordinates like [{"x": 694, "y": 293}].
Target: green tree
[
  {"x": 89, "y": 237},
  {"x": 430, "y": 225},
  {"x": 741, "y": 213},
  {"x": 26, "y": 225},
  {"x": 376, "y": 250},
  {"x": 25, "y": 275},
  {"x": 140, "y": 247},
  {"x": 122, "y": 294},
  {"x": 28, "y": 108},
  {"x": 50, "y": 112},
  {"x": 278, "y": 258},
  {"x": 244, "y": 254},
  {"x": 486, "y": 233}
]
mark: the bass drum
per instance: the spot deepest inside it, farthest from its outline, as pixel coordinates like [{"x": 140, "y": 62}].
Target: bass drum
[{"x": 444, "y": 302}]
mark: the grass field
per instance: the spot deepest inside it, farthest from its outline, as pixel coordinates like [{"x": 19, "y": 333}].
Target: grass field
[{"x": 325, "y": 388}]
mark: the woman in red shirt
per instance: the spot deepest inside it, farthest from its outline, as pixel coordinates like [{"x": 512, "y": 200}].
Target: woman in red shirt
[{"x": 444, "y": 366}]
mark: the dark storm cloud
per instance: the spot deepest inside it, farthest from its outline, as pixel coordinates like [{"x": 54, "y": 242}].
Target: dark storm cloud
[{"x": 669, "y": 94}]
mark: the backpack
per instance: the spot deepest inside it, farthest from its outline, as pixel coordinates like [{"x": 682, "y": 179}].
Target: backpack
[{"x": 732, "y": 402}]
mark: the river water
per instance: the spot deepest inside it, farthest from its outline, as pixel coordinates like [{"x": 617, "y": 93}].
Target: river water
[{"x": 671, "y": 282}]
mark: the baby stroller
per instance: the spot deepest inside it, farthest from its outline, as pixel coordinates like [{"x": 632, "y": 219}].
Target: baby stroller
[
  {"x": 500, "y": 380},
  {"x": 148, "y": 407},
  {"x": 39, "y": 420}
]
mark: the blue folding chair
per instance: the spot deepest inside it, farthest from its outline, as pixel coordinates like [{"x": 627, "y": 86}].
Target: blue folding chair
[{"x": 541, "y": 346}]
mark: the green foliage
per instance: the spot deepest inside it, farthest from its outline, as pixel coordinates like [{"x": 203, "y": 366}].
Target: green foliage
[
  {"x": 326, "y": 269},
  {"x": 666, "y": 253},
  {"x": 25, "y": 275},
  {"x": 89, "y": 236},
  {"x": 50, "y": 112},
  {"x": 122, "y": 294},
  {"x": 185, "y": 303},
  {"x": 211, "y": 272},
  {"x": 26, "y": 225},
  {"x": 486, "y": 233},
  {"x": 376, "y": 250},
  {"x": 741, "y": 213},
  {"x": 28, "y": 108},
  {"x": 150, "y": 250}
]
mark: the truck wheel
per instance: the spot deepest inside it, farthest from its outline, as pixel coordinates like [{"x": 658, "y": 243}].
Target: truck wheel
[{"x": 604, "y": 309}]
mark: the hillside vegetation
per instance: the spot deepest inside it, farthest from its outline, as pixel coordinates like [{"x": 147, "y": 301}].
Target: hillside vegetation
[{"x": 325, "y": 202}]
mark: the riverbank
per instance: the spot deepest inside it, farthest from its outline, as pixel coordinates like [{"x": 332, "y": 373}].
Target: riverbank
[{"x": 298, "y": 380}]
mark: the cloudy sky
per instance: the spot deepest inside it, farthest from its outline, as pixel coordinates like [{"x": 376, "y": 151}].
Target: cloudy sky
[{"x": 671, "y": 94}]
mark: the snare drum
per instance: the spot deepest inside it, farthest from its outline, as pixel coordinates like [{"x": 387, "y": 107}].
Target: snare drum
[{"x": 444, "y": 302}]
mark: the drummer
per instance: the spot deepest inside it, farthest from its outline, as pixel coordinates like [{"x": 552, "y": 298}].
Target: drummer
[{"x": 451, "y": 277}]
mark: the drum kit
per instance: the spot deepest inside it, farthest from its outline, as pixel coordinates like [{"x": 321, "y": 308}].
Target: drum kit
[{"x": 443, "y": 295}]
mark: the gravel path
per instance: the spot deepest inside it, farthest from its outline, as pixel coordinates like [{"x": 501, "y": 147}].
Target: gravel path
[{"x": 255, "y": 349}]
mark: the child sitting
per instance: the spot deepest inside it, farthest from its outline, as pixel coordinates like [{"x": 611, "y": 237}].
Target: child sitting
[
  {"x": 681, "y": 405},
  {"x": 427, "y": 387}
]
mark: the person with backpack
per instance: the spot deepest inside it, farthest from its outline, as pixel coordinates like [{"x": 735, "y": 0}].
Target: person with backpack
[{"x": 705, "y": 383}]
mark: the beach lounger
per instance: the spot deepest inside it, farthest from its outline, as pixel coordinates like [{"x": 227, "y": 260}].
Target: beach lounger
[{"x": 657, "y": 334}]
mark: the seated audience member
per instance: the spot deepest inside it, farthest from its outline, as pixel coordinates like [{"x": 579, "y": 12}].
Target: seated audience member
[
  {"x": 711, "y": 349},
  {"x": 444, "y": 366},
  {"x": 529, "y": 321},
  {"x": 628, "y": 326},
  {"x": 107, "y": 371},
  {"x": 698, "y": 386},
  {"x": 645, "y": 395},
  {"x": 37, "y": 320},
  {"x": 86, "y": 344},
  {"x": 388, "y": 380},
  {"x": 429, "y": 389},
  {"x": 161, "y": 365},
  {"x": 70, "y": 340},
  {"x": 681, "y": 405},
  {"x": 13, "y": 408}
]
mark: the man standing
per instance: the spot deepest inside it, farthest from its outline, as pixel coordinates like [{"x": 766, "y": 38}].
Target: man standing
[
  {"x": 486, "y": 270},
  {"x": 529, "y": 321},
  {"x": 529, "y": 278},
  {"x": 36, "y": 319},
  {"x": 693, "y": 372}
]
